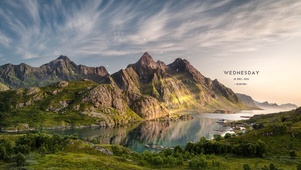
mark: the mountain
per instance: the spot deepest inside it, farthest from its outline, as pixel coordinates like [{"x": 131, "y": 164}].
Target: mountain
[
  {"x": 250, "y": 102},
  {"x": 65, "y": 104},
  {"x": 178, "y": 85},
  {"x": 247, "y": 100},
  {"x": 144, "y": 90},
  {"x": 289, "y": 106},
  {"x": 23, "y": 75},
  {"x": 267, "y": 105}
]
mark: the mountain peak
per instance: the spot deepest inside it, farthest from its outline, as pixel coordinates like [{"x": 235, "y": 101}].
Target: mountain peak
[
  {"x": 181, "y": 65},
  {"x": 62, "y": 57},
  {"x": 146, "y": 59}
]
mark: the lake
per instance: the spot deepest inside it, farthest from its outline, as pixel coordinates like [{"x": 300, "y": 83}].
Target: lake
[{"x": 159, "y": 134}]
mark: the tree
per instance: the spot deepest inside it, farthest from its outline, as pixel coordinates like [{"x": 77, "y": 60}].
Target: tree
[
  {"x": 6, "y": 149},
  {"x": 227, "y": 135},
  {"x": 178, "y": 149},
  {"x": 299, "y": 167},
  {"x": 293, "y": 154},
  {"x": 20, "y": 159},
  {"x": 203, "y": 140},
  {"x": 42, "y": 150},
  {"x": 272, "y": 167},
  {"x": 24, "y": 149},
  {"x": 158, "y": 160},
  {"x": 217, "y": 137},
  {"x": 189, "y": 147},
  {"x": 246, "y": 167},
  {"x": 198, "y": 163},
  {"x": 261, "y": 148},
  {"x": 3, "y": 154}
]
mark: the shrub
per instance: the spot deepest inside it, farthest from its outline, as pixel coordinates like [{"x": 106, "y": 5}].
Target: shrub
[
  {"x": 261, "y": 148},
  {"x": 217, "y": 137},
  {"x": 272, "y": 167},
  {"x": 198, "y": 163},
  {"x": 6, "y": 149},
  {"x": 20, "y": 159},
  {"x": 246, "y": 167},
  {"x": 227, "y": 135},
  {"x": 292, "y": 154},
  {"x": 299, "y": 167},
  {"x": 24, "y": 149}
]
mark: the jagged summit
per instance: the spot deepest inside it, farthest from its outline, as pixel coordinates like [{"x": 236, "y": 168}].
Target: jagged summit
[
  {"x": 180, "y": 65},
  {"x": 178, "y": 85},
  {"x": 146, "y": 60},
  {"x": 63, "y": 57}
]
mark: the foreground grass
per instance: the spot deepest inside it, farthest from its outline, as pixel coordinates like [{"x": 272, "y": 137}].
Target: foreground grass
[{"x": 71, "y": 160}]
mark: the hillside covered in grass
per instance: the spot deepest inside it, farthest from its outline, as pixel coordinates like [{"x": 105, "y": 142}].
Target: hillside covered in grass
[
  {"x": 270, "y": 142},
  {"x": 64, "y": 104}
]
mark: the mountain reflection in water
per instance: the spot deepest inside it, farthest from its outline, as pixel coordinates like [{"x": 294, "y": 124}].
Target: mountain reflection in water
[
  {"x": 154, "y": 135},
  {"x": 169, "y": 134}
]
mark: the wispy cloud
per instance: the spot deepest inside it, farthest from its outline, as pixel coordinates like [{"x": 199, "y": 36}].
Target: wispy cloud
[
  {"x": 4, "y": 40},
  {"x": 33, "y": 29}
]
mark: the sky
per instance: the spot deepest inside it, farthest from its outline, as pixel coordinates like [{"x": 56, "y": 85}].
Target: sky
[{"x": 213, "y": 35}]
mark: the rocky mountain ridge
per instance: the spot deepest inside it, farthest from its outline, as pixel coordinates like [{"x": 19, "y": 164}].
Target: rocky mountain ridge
[
  {"x": 249, "y": 101},
  {"x": 60, "y": 69},
  {"x": 177, "y": 85},
  {"x": 144, "y": 90}
]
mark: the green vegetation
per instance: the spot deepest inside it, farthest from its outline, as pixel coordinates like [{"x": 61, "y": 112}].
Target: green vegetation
[
  {"x": 258, "y": 148},
  {"x": 42, "y": 151},
  {"x": 271, "y": 142},
  {"x": 56, "y": 106}
]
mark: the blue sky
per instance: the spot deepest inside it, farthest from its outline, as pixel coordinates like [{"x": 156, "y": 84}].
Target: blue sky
[{"x": 213, "y": 35}]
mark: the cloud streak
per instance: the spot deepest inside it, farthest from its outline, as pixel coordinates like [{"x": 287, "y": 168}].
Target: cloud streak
[{"x": 43, "y": 29}]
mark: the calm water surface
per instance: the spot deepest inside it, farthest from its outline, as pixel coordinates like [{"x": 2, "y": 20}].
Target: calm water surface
[{"x": 157, "y": 135}]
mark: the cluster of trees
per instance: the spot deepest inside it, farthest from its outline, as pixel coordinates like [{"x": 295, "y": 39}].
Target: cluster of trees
[
  {"x": 245, "y": 149},
  {"x": 166, "y": 158},
  {"x": 194, "y": 153},
  {"x": 6, "y": 150},
  {"x": 31, "y": 142}
]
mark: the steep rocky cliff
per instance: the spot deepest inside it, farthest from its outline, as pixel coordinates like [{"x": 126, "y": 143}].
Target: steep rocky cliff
[
  {"x": 177, "y": 85},
  {"x": 85, "y": 102}
]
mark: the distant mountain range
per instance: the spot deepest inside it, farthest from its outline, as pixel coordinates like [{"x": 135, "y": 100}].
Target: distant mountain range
[
  {"x": 249, "y": 101},
  {"x": 24, "y": 76},
  {"x": 144, "y": 90}
]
